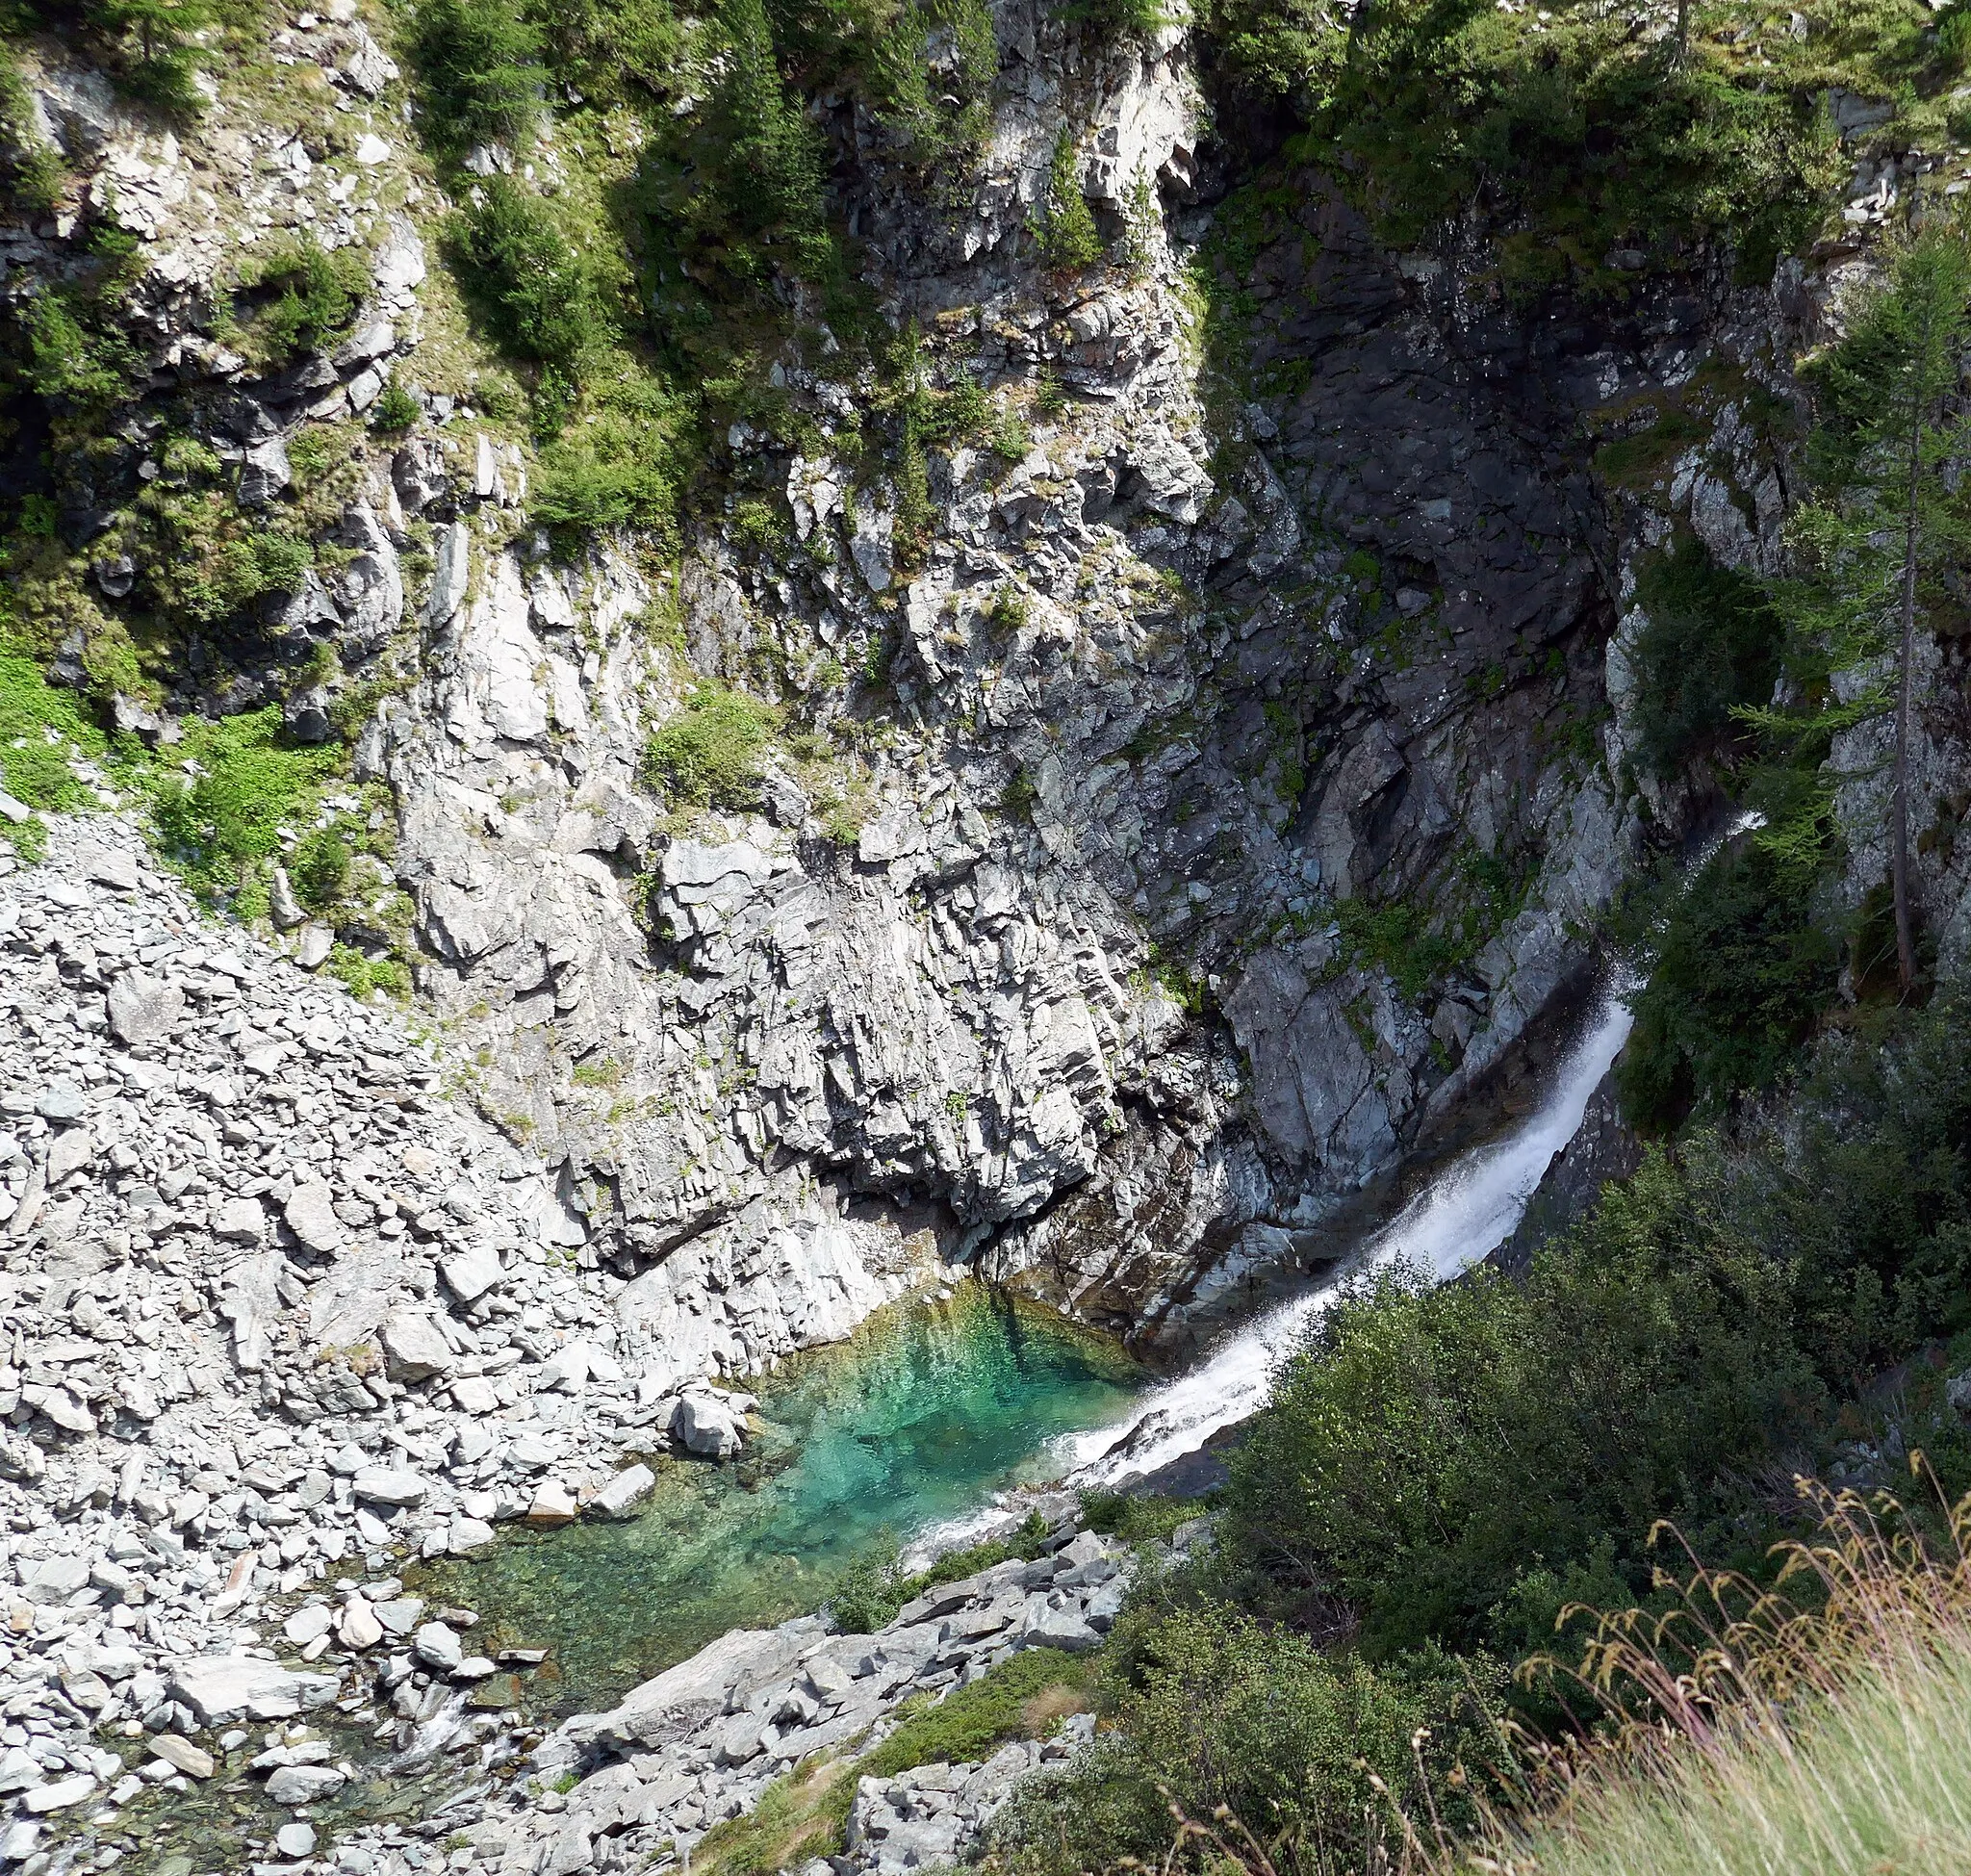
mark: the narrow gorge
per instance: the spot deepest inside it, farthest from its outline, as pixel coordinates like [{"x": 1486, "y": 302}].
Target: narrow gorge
[{"x": 773, "y": 781}]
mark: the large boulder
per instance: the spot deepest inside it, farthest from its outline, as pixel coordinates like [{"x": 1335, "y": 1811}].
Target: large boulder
[
  {"x": 218, "y": 1688},
  {"x": 706, "y": 1425},
  {"x": 413, "y": 1348},
  {"x": 144, "y": 1008}
]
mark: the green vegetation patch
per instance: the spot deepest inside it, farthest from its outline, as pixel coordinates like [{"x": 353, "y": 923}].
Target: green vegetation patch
[
  {"x": 1066, "y": 227},
  {"x": 712, "y": 752},
  {"x": 300, "y": 295},
  {"x": 223, "y": 803},
  {"x": 40, "y": 729},
  {"x": 1712, "y": 647},
  {"x": 1023, "y": 1698},
  {"x": 1600, "y": 150},
  {"x": 1219, "y": 1709}
]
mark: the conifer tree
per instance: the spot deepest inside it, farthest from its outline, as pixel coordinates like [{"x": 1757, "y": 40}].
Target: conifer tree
[{"x": 1896, "y": 421}]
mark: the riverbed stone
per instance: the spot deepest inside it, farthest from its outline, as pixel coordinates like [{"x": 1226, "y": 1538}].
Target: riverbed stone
[
  {"x": 624, "y": 1493},
  {"x": 437, "y": 1646},
  {"x": 304, "y": 1785},
  {"x": 218, "y": 1687},
  {"x": 181, "y": 1754}
]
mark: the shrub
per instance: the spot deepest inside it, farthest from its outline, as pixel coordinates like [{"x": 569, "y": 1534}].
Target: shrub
[
  {"x": 710, "y": 754},
  {"x": 530, "y": 277},
  {"x": 201, "y": 557},
  {"x": 479, "y": 72},
  {"x": 869, "y": 1592},
  {"x": 1065, "y": 228},
  {"x": 1739, "y": 969},
  {"x": 1429, "y": 1444},
  {"x": 303, "y": 294},
  {"x": 770, "y": 180},
  {"x": 1116, "y": 19},
  {"x": 1225, "y": 1711},
  {"x": 1712, "y": 644},
  {"x": 874, "y": 1587},
  {"x": 73, "y": 354},
  {"x": 396, "y": 409},
  {"x": 619, "y": 51},
  {"x": 619, "y": 463},
  {"x": 1587, "y": 137},
  {"x": 154, "y": 59},
  {"x": 362, "y": 975},
  {"x": 237, "y": 781},
  {"x": 35, "y": 769},
  {"x": 320, "y": 869}
]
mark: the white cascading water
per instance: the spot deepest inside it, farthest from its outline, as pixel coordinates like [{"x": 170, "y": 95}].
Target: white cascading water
[{"x": 1463, "y": 1214}]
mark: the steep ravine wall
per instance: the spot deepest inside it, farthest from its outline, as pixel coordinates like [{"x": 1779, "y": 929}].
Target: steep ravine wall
[{"x": 1304, "y": 600}]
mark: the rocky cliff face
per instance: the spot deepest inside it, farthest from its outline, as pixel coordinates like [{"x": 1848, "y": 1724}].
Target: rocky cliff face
[{"x": 1252, "y": 760}]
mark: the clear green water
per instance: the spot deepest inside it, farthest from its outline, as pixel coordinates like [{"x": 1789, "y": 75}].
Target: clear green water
[{"x": 928, "y": 1409}]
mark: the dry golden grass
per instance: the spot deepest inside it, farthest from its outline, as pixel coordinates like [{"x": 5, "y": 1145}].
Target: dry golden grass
[{"x": 1819, "y": 1728}]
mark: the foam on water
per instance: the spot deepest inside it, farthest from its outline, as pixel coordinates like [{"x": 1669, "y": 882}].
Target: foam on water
[{"x": 1463, "y": 1214}]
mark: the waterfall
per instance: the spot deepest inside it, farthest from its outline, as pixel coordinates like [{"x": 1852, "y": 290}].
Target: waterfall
[{"x": 1466, "y": 1211}]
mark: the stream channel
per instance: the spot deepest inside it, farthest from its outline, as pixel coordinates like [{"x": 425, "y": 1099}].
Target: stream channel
[
  {"x": 914, "y": 1430},
  {"x": 919, "y": 1422}
]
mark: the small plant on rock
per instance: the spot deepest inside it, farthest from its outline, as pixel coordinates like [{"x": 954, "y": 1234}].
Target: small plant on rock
[
  {"x": 1065, "y": 228},
  {"x": 711, "y": 754}
]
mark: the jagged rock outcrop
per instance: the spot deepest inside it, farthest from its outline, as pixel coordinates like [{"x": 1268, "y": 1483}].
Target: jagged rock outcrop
[{"x": 1253, "y": 757}]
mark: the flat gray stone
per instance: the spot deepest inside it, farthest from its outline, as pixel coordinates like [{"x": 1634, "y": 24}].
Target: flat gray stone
[
  {"x": 310, "y": 1212},
  {"x": 224, "y": 1686},
  {"x": 108, "y": 867},
  {"x": 145, "y": 1008},
  {"x": 624, "y": 1493},
  {"x": 304, "y": 1785},
  {"x": 391, "y": 1486}
]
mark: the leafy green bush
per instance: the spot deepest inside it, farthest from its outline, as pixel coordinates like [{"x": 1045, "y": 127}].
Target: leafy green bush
[
  {"x": 1864, "y": 1186},
  {"x": 235, "y": 782},
  {"x": 1712, "y": 644},
  {"x": 610, "y": 472},
  {"x": 199, "y": 555},
  {"x": 1590, "y": 137},
  {"x": 869, "y": 1592},
  {"x": 318, "y": 869},
  {"x": 395, "y": 408},
  {"x": 1225, "y": 1711},
  {"x": 710, "y": 754},
  {"x": 479, "y": 72},
  {"x": 1137, "y": 1517},
  {"x": 626, "y": 52},
  {"x": 302, "y": 294},
  {"x": 1117, "y": 19},
  {"x": 155, "y": 54},
  {"x": 1431, "y": 1445},
  {"x": 362, "y": 975},
  {"x": 530, "y": 277},
  {"x": 34, "y": 769},
  {"x": 1739, "y": 969},
  {"x": 71, "y": 353}
]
